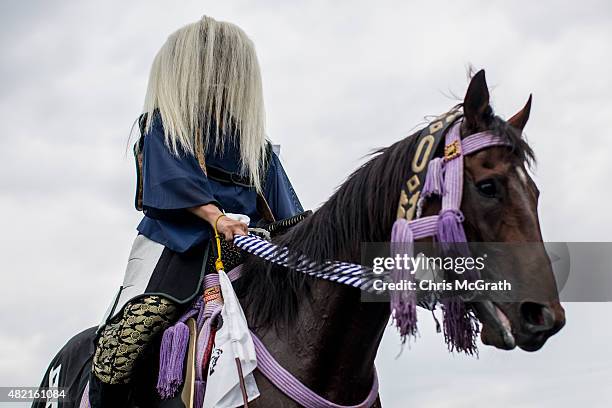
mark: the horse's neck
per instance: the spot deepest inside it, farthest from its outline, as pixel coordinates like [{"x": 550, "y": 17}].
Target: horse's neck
[
  {"x": 349, "y": 333},
  {"x": 333, "y": 343}
]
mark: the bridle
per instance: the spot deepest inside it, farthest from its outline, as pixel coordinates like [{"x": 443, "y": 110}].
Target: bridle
[{"x": 444, "y": 179}]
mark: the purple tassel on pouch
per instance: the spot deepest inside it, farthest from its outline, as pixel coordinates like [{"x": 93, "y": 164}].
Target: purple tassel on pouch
[
  {"x": 163, "y": 387},
  {"x": 172, "y": 356}
]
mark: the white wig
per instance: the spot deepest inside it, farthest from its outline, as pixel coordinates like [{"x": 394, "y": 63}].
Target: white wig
[{"x": 205, "y": 82}]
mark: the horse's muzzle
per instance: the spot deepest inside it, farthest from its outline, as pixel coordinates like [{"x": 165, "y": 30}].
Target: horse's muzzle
[
  {"x": 541, "y": 318},
  {"x": 539, "y": 321}
]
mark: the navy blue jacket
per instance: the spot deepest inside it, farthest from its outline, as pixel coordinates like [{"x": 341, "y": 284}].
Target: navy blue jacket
[{"x": 173, "y": 184}]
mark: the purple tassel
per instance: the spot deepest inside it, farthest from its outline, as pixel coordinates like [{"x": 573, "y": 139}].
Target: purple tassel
[
  {"x": 171, "y": 371},
  {"x": 450, "y": 232},
  {"x": 434, "y": 182},
  {"x": 163, "y": 385},
  {"x": 180, "y": 342},
  {"x": 460, "y": 326},
  {"x": 403, "y": 302}
]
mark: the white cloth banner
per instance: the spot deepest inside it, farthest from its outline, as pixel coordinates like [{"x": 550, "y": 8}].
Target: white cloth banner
[{"x": 231, "y": 341}]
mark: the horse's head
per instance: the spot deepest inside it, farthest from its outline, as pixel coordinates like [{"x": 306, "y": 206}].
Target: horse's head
[{"x": 500, "y": 205}]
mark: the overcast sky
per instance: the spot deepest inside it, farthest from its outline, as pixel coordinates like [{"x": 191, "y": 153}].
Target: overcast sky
[{"x": 340, "y": 78}]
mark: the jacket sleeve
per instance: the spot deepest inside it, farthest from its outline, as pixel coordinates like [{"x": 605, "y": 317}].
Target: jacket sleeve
[
  {"x": 171, "y": 183},
  {"x": 279, "y": 192}
]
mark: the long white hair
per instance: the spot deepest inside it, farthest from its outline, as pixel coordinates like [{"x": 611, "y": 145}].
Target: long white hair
[{"x": 205, "y": 83}]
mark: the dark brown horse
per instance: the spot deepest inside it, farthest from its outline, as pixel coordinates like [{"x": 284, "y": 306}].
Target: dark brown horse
[{"x": 321, "y": 331}]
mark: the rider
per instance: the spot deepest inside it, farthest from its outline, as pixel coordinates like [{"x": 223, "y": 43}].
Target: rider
[{"x": 202, "y": 153}]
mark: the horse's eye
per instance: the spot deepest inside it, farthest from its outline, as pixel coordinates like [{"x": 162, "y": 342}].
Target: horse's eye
[{"x": 487, "y": 188}]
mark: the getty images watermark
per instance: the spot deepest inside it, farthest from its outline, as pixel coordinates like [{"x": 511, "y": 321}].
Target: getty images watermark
[
  {"x": 498, "y": 271},
  {"x": 434, "y": 267}
]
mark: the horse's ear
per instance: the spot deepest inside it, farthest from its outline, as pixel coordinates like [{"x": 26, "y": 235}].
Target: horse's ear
[
  {"x": 476, "y": 102},
  {"x": 520, "y": 119}
]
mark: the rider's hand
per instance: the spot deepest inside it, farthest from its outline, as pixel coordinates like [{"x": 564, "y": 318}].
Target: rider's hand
[
  {"x": 225, "y": 225},
  {"x": 228, "y": 227}
]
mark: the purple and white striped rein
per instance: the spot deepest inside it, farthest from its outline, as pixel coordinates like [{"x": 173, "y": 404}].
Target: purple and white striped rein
[{"x": 346, "y": 273}]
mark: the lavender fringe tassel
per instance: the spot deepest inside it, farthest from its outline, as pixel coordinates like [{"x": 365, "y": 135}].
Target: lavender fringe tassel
[
  {"x": 450, "y": 232},
  {"x": 163, "y": 385},
  {"x": 434, "y": 182},
  {"x": 403, "y": 302},
  {"x": 460, "y": 326},
  {"x": 172, "y": 353},
  {"x": 172, "y": 357}
]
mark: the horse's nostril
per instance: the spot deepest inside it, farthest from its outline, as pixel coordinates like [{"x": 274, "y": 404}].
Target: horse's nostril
[{"x": 537, "y": 317}]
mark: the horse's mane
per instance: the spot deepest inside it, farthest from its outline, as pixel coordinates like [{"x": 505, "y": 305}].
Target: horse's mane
[{"x": 362, "y": 209}]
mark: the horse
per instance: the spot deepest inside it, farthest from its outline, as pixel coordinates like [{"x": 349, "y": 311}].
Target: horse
[{"x": 321, "y": 332}]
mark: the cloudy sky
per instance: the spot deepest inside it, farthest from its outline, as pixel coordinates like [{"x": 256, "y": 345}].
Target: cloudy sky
[{"x": 340, "y": 78}]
